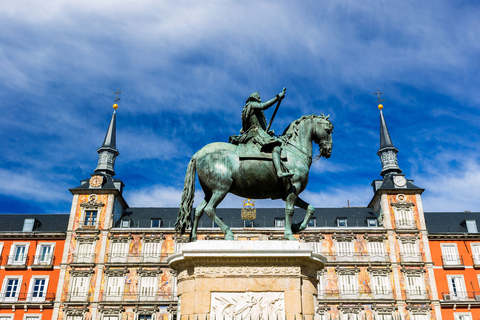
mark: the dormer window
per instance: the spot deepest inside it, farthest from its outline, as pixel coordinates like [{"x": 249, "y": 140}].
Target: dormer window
[
  {"x": 125, "y": 224},
  {"x": 372, "y": 222},
  {"x": 341, "y": 222},
  {"x": 156, "y": 223},
  {"x": 312, "y": 222},
  {"x": 279, "y": 222},
  {"x": 471, "y": 226},
  {"x": 248, "y": 223},
  {"x": 28, "y": 225}
]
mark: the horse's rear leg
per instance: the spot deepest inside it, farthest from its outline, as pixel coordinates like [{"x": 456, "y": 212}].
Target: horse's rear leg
[
  {"x": 198, "y": 215},
  {"x": 290, "y": 200},
  {"x": 215, "y": 200},
  {"x": 310, "y": 210}
]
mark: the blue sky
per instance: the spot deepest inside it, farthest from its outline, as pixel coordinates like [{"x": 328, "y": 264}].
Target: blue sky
[{"x": 187, "y": 67}]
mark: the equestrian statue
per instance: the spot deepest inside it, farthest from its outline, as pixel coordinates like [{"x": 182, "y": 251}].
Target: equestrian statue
[{"x": 256, "y": 165}]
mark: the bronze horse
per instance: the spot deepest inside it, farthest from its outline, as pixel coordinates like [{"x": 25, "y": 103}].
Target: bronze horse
[{"x": 222, "y": 168}]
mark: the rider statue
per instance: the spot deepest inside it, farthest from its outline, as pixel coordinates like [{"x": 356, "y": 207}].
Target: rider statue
[{"x": 254, "y": 127}]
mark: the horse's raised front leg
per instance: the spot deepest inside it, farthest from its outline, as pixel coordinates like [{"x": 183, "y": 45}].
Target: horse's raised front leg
[
  {"x": 215, "y": 200},
  {"x": 310, "y": 211},
  {"x": 289, "y": 211},
  {"x": 198, "y": 215}
]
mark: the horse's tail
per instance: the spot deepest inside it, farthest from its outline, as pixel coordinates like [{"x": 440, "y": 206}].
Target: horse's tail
[{"x": 184, "y": 214}]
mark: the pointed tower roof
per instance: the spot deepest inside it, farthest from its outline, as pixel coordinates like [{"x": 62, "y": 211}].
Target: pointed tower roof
[
  {"x": 108, "y": 151},
  {"x": 387, "y": 151},
  {"x": 110, "y": 139}
]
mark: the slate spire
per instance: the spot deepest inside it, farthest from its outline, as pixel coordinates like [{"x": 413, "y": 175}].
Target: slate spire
[
  {"x": 387, "y": 151},
  {"x": 108, "y": 151}
]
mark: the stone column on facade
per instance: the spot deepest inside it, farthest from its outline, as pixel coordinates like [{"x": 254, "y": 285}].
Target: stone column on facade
[{"x": 245, "y": 279}]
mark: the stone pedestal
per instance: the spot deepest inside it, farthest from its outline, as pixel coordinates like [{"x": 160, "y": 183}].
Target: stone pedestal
[{"x": 264, "y": 280}]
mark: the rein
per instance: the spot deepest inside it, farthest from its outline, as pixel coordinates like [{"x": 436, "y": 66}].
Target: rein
[{"x": 309, "y": 157}]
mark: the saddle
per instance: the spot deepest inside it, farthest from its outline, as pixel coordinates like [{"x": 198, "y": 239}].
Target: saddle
[{"x": 252, "y": 151}]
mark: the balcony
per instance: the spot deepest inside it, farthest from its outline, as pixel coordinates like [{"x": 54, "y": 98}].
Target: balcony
[
  {"x": 453, "y": 262},
  {"x": 355, "y": 294},
  {"x": 139, "y": 297},
  {"x": 404, "y": 224},
  {"x": 476, "y": 261},
  {"x": 27, "y": 298},
  {"x": 417, "y": 295},
  {"x": 355, "y": 257},
  {"x": 459, "y": 297},
  {"x": 411, "y": 258},
  {"x": 136, "y": 258},
  {"x": 84, "y": 258},
  {"x": 43, "y": 262},
  {"x": 17, "y": 261},
  {"x": 78, "y": 297}
]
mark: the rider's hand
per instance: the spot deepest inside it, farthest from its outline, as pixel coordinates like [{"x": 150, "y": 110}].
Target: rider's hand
[{"x": 281, "y": 95}]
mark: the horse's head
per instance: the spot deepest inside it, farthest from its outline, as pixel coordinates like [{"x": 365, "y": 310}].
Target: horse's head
[{"x": 322, "y": 135}]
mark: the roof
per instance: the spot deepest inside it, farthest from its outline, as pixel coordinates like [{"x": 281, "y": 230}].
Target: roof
[
  {"x": 43, "y": 222},
  {"x": 450, "y": 222},
  {"x": 265, "y": 217}
]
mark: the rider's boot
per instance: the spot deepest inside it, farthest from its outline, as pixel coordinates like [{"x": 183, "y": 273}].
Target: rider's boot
[{"x": 277, "y": 162}]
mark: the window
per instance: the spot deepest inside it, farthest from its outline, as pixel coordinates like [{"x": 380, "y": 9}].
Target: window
[
  {"x": 462, "y": 316},
  {"x": 11, "y": 288},
  {"x": 420, "y": 317},
  {"x": 384, "y": 316},
  {"x": 377, "y": 250},
  {"x": 456, "y": 285},
  {"x": 110, "y": 317},
  {"x": 450, "y": 254},
  {"x": 38, "y": 289},
  {"x": 471, "y": 226},
  {"x": 410, "y": 251},
  {"x": 28, "y": 225},
  {"x": 114, "y": 288},
  {"x": 415, "y": 286},
  {"x": 90, "y": 218},
  {"x": 44, "y": 254},
  {"x": 348, "y": 285},
  {"x": 476, "y": 253},
  {"x": 156, "y": 223},
  {"x": 248, "y": 223},
  {"x": 144, "y": 317},
  {"x": 148, "y": 287},
  {"x": 279, "y": 222},
  {"x": 4, "y": 317},
  {"x": 125, "y": 224},
  {"x": 404, "y": 217},
  {"x": 312, "y": 222},
  {"x": 32, "y": 317},
  {"x": 350, "y": 316},
  {"x": 72, "y": 317},
  {"x": 119, "y": 251},
  {"x": 344, "y": 250},
  {"x": 372, "y": 222},
  {"x": 18, "y": 254},
  {"x": 152, "y": 251},
  {"x": 341, "y": 222},
  {"x": 79, "y": 287},
  {"x": 381, "y": 286},
  {"x": 85, "y": 252}
]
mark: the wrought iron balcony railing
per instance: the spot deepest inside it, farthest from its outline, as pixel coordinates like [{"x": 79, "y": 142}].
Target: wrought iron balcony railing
[
  {"x": 355, "y": 294},
  {"x": 84, "y": 257},
  {"x": 136, "y": 296},
  {"x": 30, "y": 297},
  {"x": 356, "y": 257},
  {"x": 411, "y": 257},
  {"x": 405, "y": 224},
  {"x": 17, "y": 260},
  {"x": 417, "y": 295},
  {"x": 452, "y": 261},
  {"x": 43, "y": 260},
  {"x": 461, "y": 296},
  {"x": 80, "y": 296},
  {"x": 136, "y": 258}
]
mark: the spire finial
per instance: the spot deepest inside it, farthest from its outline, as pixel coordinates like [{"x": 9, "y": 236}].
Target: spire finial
[
  {"x": 117, "y": 98},
  {"x": 378, "y": 93}
]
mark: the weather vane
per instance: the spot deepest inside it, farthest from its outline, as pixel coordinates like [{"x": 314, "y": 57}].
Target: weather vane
[
  {"x": 378, "y": 93},
  {"x": 116, "y": 93}
]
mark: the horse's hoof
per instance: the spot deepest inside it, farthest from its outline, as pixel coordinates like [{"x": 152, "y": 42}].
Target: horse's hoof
[
  {"x": 290, "y": 237},
  {"x": 229, "y": 237}
]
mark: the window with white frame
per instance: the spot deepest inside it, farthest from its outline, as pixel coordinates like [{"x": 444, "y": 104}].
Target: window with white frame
[
  {"x": 341, "y": 222},
  {"x": 28, "y": 225},
  {"x": 38, "y": 289},
  {"x": 450, "y": 254},
  {"x": 75, "y": 317},
  {"x": 144, "y": 317},
  {"x": 344, "y": 249},
  {"x": 381, "y": 285},
  {"x": 44, "y": 254},
  {"x": 119, "y": 251},
  {"x": 152, "y": 250},
  {"x": 148, "y": 286},
  {"x": 11, "y": 288},
  {"x": 409, "y": 250},
  {"x": 348, "y": 285},
  {"x": 90, "y": 218},
  {"x": 476, "y": 253},
  {"x": 6, "y": 317},
  {"x": 18, "y": 254},
  {"x": 1, "y": 250},
  {"x": 463, "y": 316},
  {"x": 456, "y": 286},
  {"x": 403, "y": 210},
  {"x": 279, "y": 222},
  {"x": 114, "y": 287},
  {"x": 32, "y": 317},
  {"x": 383, "y": 316},
  {"x": 321, "y": 284},
  {"x": 415, "y": 286},
  {"x": 79, "y": 287},
  {"x": 312, "y": 222},
  {"x": 350, "y": 314},
  {"x": 110, "y": 317},
  {"x": 377, "y": 250},
  {"x": 471, "y": 225},
  {"x": 422, "y": 316},
  {"x": 85, "y": 252}
]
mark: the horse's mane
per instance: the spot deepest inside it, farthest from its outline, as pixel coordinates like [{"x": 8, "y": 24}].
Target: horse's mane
[{"x": 292, "y": 128}]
